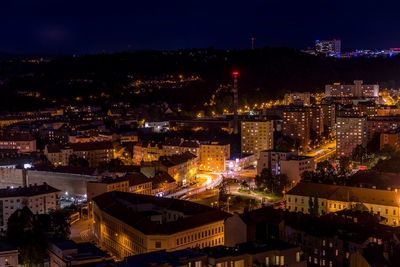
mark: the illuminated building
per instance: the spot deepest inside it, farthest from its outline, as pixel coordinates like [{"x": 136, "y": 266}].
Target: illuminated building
[
  {"x": 174, "y": 146},
  {"x": 297, "y": 98},
  {"x": 40, "y": 199},
  {"x": 128, "y": 224},
  {"x": 350, "y": 132},
  {"x": 23, "y": 142},
  {"x": 8, "y": 254},
  {"x": 106, "y": 184},
  {"x": 147, "y": 151},
  {"x": 328, "y": 46},
  {"x": 257, "y": 136},
  {"x": 382, "y": 124},
  {"x": 213, "y": 156},
  {"x": 181, "y": 167},
  {"x": 128, "y": 137},
  {"x": 329, "y": 114},
  {"x": 285, "y": 162},
  {"x": 333, "y": 198},
  {"x": 358, "y": 89},
  {"x": 298, "y": 122},
  {"x": 391, "y": 138},
  {"x": 94, "y": 152}
]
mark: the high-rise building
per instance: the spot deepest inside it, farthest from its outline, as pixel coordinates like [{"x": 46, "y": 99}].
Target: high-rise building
[
  {"x": 328, "y": 46},
  {"x": 350, "y": 132},
  {"x": 257, "y": 135},
  {"x": 358, "y": 89},
  {"x": 298, "y": 122},
  {"x": 382, "y": 124},
  {"x": 213, "y": 156}
]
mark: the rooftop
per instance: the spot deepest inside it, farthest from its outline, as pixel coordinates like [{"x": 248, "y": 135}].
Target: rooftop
[
  {"x": 124, "y": 206},
  {"x": 26, "y": 191}
]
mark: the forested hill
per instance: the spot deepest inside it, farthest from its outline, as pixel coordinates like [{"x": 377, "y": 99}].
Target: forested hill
[{"x": 264, "y": 73}]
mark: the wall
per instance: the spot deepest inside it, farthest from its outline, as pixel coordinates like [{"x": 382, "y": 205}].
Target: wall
[{"x": 66, "y": 182}]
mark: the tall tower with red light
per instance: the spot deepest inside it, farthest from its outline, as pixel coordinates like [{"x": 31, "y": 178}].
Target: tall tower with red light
[
  {"x": 235, "y": 102},
  {"x": 252, "y": 43}
]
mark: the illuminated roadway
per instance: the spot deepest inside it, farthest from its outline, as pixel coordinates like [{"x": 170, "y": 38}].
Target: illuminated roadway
[{"x": 323, "y": 152}]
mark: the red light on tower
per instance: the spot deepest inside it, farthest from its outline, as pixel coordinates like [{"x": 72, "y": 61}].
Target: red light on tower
[{"x": 235, "y": 73}]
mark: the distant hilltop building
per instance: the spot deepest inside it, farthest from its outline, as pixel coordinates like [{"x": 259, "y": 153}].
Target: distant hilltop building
[
  {"x": 358, "y": 89},
  {"x": 328, "y": 46},
  {"x": 297, "y": 98}
]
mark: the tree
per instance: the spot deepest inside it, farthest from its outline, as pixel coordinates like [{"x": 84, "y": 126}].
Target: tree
[
  {"x": 76, "y": 161},
  {"x": 23, "y": 230},
  {"x": 325, "y": 172},
  {"x": 264, "y": 179},
  {"x": 308, "y": 176},
  {"x": 281, "y": 181},
  {"x": 222, "y": 194},
  {"x": 313, "y": 205},
  {"x": 359, "y": 153},
  {"x": 388, "y": 150},
  {"x": 344, "y": 165},
  {"x": 60, "y": 224}
]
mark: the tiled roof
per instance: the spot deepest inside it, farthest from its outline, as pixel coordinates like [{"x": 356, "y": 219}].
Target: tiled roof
[
  {"x": 81, "y": 146},
  {"x": 162, "y": 177},
  {"x": 174, "y": 160},
  {"x": 121, "y": 205},
  {"x": 347, "y": 193},
  {"x": 26, "y": 191},
  {"x": 67, "y": 169},
  {"x": 16, "y": 137},
  {"x": 136, "y": 179}
]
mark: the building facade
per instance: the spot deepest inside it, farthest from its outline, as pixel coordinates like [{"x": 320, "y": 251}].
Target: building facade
[
  {"x": 213, "y": 156},
  {"x": 129, "y": 224},
  {"x": 350, "y": 132},
  {"x": 257, "y": 136},
  {"x": 358, "y": 89},
  {"x": 40, "y": 199},
  {"x": 22, "y": 142},
  {"x": 334, "y": 198}
]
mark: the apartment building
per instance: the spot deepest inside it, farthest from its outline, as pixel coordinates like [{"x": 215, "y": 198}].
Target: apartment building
[
  {"x": 182, "y": 167},
  {"x": 22, "y": 142},
  {"x": 358, "y": 89},
  {"x": 94, "y": 152},
  {"x": 257, "y": 135},
  {"x": 382, "y": 124},
  {"x": 350, "y": 132},
  {"x": 213, "y": 156},
  {"x": 40, "y": 199}
]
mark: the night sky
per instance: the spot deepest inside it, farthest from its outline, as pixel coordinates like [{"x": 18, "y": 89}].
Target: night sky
[{"x": 87, "y": 26}]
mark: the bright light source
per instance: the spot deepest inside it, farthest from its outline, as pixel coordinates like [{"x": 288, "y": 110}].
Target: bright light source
[
  {"x": 235, "y": 73},
  {"x": 27, "y": 166}
]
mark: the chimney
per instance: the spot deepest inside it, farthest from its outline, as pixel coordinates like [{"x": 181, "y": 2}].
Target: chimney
[{"x": 99, "y": 178}]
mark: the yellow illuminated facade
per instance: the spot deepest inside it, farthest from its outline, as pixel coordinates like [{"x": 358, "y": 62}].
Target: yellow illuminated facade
[
  {"x": 333, "y": 198},
  {"x": 257, "y": 136},
  {"x": 213, "y": 156}
]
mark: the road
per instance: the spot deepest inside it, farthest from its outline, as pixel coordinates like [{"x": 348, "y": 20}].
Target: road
[
  {"x": 323, "y": 152},
  {"x": 81, "y": 231}
]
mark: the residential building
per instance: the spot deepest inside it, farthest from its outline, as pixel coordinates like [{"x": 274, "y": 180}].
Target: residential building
[
  {"x": 285, "y": 162},
  {"x": 40, "y": 199},
  {"x": 297, "y": 98},
  {"x": 350, "y": 132},
  {"x": 181, "y": 258},
  {"x": 8, "y": 254},
  {"x": 182, "y": 167},
  {"x": 213, "y": 156},
  {"x": 147, "y": 151},
  {"x": 94, "y": 152},
  {"x": 328, "y": 46},
  {"x": 391, "y": 138},
  {"x": 333, "y": 198},
  {"x": 162, "y": 184},
  {"x": 23, "y": 142},
  {"x": 382, "y": 124},
  {"x": 128, "y": 224},
  {"x": 358, "y": 89},
  {"x": 296, "y": 124},
  {"x": 329, "y": 115},
  {"x": 260, "y": 253},
  {"x": 68, "y": 253},
  {"x": 106, "y": 184},
  {"x": 257, "y": 135},
  {"x": 174, "y": 146},
  {"x": 138, "y": 183}
]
